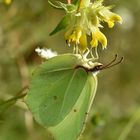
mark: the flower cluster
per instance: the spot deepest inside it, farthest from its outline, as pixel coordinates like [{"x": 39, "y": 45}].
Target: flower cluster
[{"x": 86, "y": 22}]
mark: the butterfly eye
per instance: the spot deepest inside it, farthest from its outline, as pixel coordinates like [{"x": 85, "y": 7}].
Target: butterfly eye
[{"x": 96, "y": 68}]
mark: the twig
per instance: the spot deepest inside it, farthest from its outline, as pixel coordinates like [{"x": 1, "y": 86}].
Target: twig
[{"x": 5, "y": 104}]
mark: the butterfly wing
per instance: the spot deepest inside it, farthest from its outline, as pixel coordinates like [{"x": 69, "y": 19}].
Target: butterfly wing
[
  {"x": 60, "y": 96},
  {"x": 55, "y": 87}
]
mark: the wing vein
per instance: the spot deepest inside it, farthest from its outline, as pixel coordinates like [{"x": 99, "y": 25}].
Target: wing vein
[
  {"x": 66, "y": 91},
  {"x": 73, "y": 106},
  {"x": 57, "y": 70}
]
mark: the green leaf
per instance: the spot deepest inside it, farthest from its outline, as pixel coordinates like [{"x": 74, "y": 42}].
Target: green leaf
[
  {"x": 61, "y": 25},
  {"x": 55, "y": 6},
  {"x": 62, "y": 6},
  {"x": 60, "y": 96}
]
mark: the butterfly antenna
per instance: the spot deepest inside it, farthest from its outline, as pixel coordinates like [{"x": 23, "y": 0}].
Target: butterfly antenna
[{"x": 111, "y": 63}]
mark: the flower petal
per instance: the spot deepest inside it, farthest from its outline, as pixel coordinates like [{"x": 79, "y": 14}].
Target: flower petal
[
  {"x": 102, "y": 39},
  {"x": 83, "y": 42},
  {"x": 98, "y": 36}
]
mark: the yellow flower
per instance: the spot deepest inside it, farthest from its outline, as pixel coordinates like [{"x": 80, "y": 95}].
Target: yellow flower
[
  {"x": 86, "y": 21},
  {"x": 98, "y": 36},
  {"x": 78, "y": 36},
  {"x": 73, "y": 35},
  {"x": 7, "y": 1},
  {"x": 83, "y": 42},
  {"x": 106, "y": 15},
  {"x": 114, "y": 18}
]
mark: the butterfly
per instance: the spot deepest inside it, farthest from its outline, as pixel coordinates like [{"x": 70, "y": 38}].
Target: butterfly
[{"x": 61, "y": 93}]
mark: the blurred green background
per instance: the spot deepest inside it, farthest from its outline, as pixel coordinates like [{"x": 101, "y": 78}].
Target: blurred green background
[{"x": 25, "y": 25}]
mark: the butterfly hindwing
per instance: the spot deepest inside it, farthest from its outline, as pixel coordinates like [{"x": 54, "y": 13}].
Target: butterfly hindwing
[{"x": 72, "y": 126}]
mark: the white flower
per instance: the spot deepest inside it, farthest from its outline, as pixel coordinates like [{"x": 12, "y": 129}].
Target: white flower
[{"x": 46, "y": 53}]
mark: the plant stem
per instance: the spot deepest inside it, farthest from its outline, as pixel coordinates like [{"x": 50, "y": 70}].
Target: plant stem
[
  {"x": 5, "y": 104},
  {"x": 82, "y": 4},
  {"x": 79, "y": 6}
]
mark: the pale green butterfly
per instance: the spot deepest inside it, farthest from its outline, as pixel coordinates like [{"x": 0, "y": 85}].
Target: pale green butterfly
[{"x": 61, "y": 94}]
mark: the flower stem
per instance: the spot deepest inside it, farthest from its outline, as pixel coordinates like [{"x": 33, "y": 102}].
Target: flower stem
[
  {"x": 79, "y": 6},
  {"x": 6, "y": 104},
  {"x": 82, "y": 4}
]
